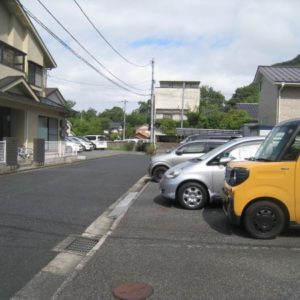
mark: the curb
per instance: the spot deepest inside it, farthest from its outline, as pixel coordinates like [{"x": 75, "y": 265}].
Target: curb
[{"x": 52, "y": 279}]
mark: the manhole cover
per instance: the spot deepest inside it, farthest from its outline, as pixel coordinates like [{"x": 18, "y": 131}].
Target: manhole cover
[
  {"x": 133, "y": 291},
  {"x": 82, "y": 245}
]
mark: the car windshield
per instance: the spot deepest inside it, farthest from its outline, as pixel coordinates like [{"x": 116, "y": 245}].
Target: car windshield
[
  {"x": 275, "y": 142},
  {"x": 217, "y": 150}
]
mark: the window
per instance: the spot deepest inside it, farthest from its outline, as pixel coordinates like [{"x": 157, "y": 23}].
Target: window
[
  {"x": 11, "y": 57},
  {"x": 293, "y": 151},
  {"x": 48, "y": 128},
  {"x": 239, "y": 152},
  {"x": 35, "y": 74},
  {"x": 167, "y": 116},
  {"x": 193, "y": 148}
]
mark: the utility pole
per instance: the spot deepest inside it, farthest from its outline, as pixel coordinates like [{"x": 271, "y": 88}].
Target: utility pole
[
  {"x": 182, "y": 103},
  {"x": 124, "y": 118},
  {"x": 152, "y": 133}
]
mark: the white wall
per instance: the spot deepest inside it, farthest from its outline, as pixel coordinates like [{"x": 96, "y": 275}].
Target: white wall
[{"x": 290, "y": 103}]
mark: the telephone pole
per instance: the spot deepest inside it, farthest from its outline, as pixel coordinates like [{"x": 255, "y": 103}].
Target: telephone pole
[
  {"x": 182, "y": 104},
  {"x": 124, "y": 118},
  {"x": 152, "y": 133}
]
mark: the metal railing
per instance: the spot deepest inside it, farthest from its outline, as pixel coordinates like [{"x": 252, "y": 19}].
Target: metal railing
[
  {"x": 2, "y": 152},
  {"x": 57, "y": 149}
]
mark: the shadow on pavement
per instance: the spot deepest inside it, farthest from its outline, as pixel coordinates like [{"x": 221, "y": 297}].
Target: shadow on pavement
[
  {"x": 214, "y": 216},
  {"x": 160, "y": 200}
]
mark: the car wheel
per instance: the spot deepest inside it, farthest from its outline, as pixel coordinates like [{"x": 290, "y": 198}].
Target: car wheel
[
  {"x": 192, "y": 195},
  {"x": 158, "y": 173},
  {"x": 264, "y": 220}
]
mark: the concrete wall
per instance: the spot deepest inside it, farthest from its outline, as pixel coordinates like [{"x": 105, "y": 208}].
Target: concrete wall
[
  {"x": 268, "y": 97},
  {"x": 4, "y": 23},
  {"x": 289, "y": 103},
  {"x": 171, "y": 98},
  {"x": 13, "y": 33},
  {"x": 7, "y": 71}
]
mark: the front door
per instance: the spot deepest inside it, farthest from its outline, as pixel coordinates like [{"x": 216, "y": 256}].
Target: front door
[{"x": 5, "y": 117}]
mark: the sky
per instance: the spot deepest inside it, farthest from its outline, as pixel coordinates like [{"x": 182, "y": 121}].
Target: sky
[{"x": 219, "y": 43}]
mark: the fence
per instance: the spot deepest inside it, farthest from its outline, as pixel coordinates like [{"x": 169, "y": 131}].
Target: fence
[
  {"x": 2, "y": 152},
  {"x": 57, "y": 149}
]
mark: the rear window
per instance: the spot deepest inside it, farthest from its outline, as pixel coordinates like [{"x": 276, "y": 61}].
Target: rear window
[{"x": 91, "y": 138}]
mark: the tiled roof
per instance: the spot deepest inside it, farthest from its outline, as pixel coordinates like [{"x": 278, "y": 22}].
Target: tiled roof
[
  {"x": 250, "y": 108},
  {"x": 279, "y": 74}
]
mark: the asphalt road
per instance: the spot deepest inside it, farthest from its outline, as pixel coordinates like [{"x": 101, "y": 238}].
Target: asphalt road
[
  {"x": 40, "y": 208},
  {"x": 188, "y": 255}
]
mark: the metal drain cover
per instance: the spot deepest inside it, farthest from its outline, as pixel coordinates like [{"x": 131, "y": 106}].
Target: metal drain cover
[
  {"x": 133, "y": 291},
  {"x": 82, "y": 245}
]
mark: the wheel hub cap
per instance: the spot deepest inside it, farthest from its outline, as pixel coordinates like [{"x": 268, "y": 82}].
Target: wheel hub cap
[{"x": 264, "y": 220}]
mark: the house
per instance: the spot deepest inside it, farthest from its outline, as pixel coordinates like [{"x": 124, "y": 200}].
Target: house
[
  {"x": 279, "y": 94},
  {"x": 28, "y": 108},
  {"x": 251, "y": 109},
  {"x": 142, "y": 132},
  {"x": 173, "y": 99}
]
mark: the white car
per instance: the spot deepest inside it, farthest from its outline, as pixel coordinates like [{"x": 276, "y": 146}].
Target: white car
[
  {"x": 98, "y": 140},
  {"x": 72, "y": 147},
  {"x": 86, "y": 145}
]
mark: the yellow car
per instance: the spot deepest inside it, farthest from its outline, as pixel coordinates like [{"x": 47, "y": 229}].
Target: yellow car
[{"x": 264, "y": 194}]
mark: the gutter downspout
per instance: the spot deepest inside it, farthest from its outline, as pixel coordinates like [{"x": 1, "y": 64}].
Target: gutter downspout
[{"x": 279, "y": 100}]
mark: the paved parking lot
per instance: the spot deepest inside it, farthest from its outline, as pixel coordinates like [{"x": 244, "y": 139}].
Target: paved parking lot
[{"x": 188, "y": 255}]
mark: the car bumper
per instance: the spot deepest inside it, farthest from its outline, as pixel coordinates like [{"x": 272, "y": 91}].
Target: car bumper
[
  {"x": 168, "y": 188},
  {"x": 228, "y": 208}
]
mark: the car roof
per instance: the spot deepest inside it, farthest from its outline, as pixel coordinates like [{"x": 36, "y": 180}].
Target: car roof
[{"x": 206, "y": 140}]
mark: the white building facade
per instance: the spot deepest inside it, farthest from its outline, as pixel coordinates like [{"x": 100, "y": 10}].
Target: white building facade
[{"x": 173, "y": 99}]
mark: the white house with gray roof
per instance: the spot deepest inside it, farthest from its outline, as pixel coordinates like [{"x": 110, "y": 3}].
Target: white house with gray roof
[{"x": 279, "y": 94}]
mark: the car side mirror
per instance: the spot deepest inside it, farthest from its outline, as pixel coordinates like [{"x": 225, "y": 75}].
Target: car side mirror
[
  {"x": 179, "y": 152},
  {"x": 224, "y": 161}
]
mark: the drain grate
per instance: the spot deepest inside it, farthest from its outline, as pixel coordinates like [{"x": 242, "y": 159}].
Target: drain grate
[{"x": 82, "y": 245}]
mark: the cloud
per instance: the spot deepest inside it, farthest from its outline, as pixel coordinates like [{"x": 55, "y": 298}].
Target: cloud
[{"x": 219, "y": 43}]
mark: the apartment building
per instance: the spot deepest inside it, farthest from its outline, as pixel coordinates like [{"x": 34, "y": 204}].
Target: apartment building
[
  {"x": 173, "y": 99},
  {"x": 28, "y": 108}
]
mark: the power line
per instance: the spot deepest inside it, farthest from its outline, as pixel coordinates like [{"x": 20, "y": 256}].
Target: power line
[
  {"x": 107, "y": 42},
  {"x": 85, "y": 83},
  {"x": 78, "y": 55},
  {"x": 87, "y": 51}
]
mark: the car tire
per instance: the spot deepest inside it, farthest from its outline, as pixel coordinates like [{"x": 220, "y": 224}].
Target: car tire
[
  {"x": 192, "y": 195},
  {"x": 158, "y": 173},
  {"x": 264, "y": 219}
]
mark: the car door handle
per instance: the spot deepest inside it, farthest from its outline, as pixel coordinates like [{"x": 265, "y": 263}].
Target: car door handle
[{"x": 284, "y": 169}]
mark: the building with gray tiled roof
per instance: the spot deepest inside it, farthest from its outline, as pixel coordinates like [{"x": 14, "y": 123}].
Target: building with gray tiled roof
[{"x": 279, "y": 93}]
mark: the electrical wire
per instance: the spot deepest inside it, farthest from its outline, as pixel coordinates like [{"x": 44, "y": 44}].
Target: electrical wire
[
  {"x": 107, "y": 42},
  {"x": 85, "y": 83},
  {"x": 87, "y": 51},
  {"x": 78, "y": 55}
]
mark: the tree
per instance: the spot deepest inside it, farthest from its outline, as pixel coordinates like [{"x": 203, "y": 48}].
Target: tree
[
  {"x": 70, "y": 104},
  {"x": 115, "y": 114},
  {"x": 235, "y": 119},
  {"x": 245, "y": 94},
  {"x": 167, "y": 126},
  {"x": 211, "y": 98}
]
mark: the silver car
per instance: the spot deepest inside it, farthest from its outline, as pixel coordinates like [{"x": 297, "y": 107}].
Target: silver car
[
  {"x": 159, "y": 163},
  {"x": 198, "y": 181}
]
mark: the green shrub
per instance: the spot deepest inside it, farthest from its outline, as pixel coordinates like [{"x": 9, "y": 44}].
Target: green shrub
[{"x": 150, "y": 148}]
